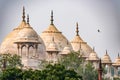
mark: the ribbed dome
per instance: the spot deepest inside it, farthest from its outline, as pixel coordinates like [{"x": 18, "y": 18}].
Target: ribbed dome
[
  {"x": 77, "y": 41},
  {"x": 52, "y": 46},
  {"x": 59, "y": 38},
  {"x": 93, "y": 56},
  {"x": 23, "y": 33},
  {"x": 117, "y": 61},
  {"x": 106, "y": 59},
  {"x": 27, "y": 34},
  {"x": 8, "y": 43}
]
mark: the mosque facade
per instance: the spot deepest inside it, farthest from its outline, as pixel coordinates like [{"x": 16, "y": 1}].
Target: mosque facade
[{"x": 49, "y": 45}]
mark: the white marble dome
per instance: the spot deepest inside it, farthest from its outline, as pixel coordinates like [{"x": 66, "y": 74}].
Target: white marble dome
[
  {"x": 77, "y": 43},
  {"x": 24, "y": 33},
  {"x": 59, "y": 38},
  {"x": 93, "y": 56},
  {"x": 27, "y": 34}
]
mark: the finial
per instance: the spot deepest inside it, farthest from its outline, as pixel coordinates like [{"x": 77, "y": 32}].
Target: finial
[
  {"x": 93, "y": 49},
  {"x": 27, "y": 18},
  {"x": 118, "y": 54},
  {"x": 52, "y": 17},
  {"x": 106, "y": 52},
  {"x": 77, "y": 31},
  {"x": 23, "y": 13}
]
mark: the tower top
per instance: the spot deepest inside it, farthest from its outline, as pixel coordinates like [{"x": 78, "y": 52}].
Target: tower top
[
  {"x": 77, "y": 31},
  {"x": 27, "y": 18},
  {"x": 93, "y": 49},
  {"x": 106, "y": 52},
  {"x": 23, "y": 16},
  {"x": 52, "y": 17}
]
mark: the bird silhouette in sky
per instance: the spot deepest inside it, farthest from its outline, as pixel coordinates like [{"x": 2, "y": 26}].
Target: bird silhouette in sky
[{"x": 98, "y": 30}]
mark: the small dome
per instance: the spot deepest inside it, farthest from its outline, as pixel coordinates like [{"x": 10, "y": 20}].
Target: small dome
[
  {"x": 77, "y": 41},
  {"x": 27, "y": 34},
  {"x": 52, "y": 46},
  {"x": 65, "y": 51},
  {"x": 93, "y": 56},
  {"x": 117, "y": 61},
  {"x": 106, "y": 59}
]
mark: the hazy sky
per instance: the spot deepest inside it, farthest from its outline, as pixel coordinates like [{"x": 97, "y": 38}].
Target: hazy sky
[{"x": 90, "y": 14}]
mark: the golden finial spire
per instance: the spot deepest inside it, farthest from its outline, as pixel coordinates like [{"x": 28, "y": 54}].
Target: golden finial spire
[
  {"x": 77, "y": 31},
  {"x": 52, "y": 17},
  {"x": 106, "y": 52},
  {"x": 23, "y": 16},
  {"x": 27, "y": 18},
  {"x": 93, "y": 49}
]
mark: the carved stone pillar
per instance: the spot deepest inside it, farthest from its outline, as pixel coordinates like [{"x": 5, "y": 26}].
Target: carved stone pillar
[
  {"x": 54, "y": 57},
  {"x": 27, "y": 50},
  {"x": 36, "y": 53},
  {"x": 51, "y": 56},
  {"x": 33, "y": 53},
  {"x": 18, "y": 49}
]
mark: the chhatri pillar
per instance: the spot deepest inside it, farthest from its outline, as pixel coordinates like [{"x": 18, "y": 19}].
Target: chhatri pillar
[{"x": 27, "y": 37}]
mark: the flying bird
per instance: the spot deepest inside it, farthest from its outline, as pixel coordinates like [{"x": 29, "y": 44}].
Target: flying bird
[{"x": 98, "y": 30}]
